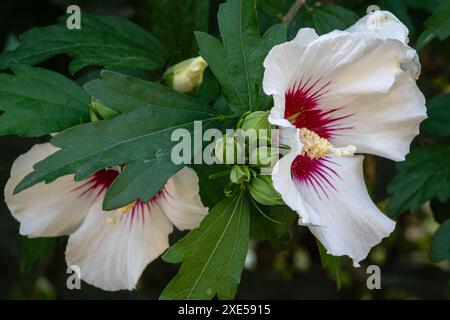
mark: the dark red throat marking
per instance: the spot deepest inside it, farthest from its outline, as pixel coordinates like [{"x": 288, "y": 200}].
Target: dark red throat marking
[
  {"x": 140, "y": 208},
  {"x": 315, "y": 173},
  {"x": 99, "y": 182},
  {"x": 303, "y": 110},
  {"x": 102, "y": 180}
]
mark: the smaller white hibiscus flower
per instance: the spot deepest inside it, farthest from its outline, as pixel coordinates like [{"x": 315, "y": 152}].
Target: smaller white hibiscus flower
[
  {"x": 112, "y": 248},
  {"x": 335, "y": 95}
]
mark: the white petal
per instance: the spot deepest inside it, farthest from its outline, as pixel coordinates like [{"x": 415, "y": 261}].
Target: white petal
[
  {"x": 352, "y": 63},
  {"x": 279, "y": 67},
  {"x": 276, "y": 115},
  {"x": 383, "y": 25},
  {"x": 112, "y": 256},
  {"x": 340, "y": 65},
  {"x": 181, "y": 200},
  {"x": 289, "y": 137},
  {"x": 351, "y": 224},
  {"x": 281, "y": 61},
  {"x": 283, "y": 183},
  {"x": 44, "y": 210},
  {"x": 411, "y": 63},
  {"x": 384, "y": 124}
]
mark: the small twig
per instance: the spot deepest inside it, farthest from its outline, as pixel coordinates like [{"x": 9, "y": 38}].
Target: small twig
[{"x": 292, "y": 12}]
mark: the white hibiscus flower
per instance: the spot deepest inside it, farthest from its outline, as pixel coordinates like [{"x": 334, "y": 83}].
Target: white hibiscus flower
[
  {"x": 112, "y": 248},
  {"x": 335, "y": 95}
]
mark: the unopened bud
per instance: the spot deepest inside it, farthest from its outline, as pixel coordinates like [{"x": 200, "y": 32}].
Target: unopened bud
[
  {"x": 99, "y": 111},
  {"x": 240, "y": 174},
  {"x": 228, "y": 151},
  {"x": 256, "y": 120},
  {"x": 262, "y": 191},
  {"x": 187, "y": 75},
  {"x": 264, "y": 156}
]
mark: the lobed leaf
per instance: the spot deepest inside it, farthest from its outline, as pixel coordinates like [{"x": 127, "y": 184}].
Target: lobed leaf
[
  {"x": 424, "y": 175},
  {"x": 139, "y": 138},
  {"x": 38, "y": 102},
  {"x": 237, "y": 60},
  {"x": 106, "y": 41},
  {"x": 213, "y": 254}
]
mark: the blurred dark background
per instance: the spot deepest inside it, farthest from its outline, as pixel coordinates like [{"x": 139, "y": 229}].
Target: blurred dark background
[{"x": 295, "y": 273}]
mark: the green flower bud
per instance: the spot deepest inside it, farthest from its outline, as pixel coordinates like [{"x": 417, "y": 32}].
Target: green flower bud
[
  {"x": 257, "y": 120},
  {"x": 186, "y": 76},
  {"x": 262, "y": 191},
  {"x": 99, "y": 111},
  {"x": 227, "y": 150},
  {"x": 240, "y": 174},
  {"x": 264, "y": 156}
]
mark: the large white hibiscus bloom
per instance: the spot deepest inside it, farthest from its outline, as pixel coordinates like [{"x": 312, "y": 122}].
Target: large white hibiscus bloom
[
  {"x": 335, "y": 95},
  {"x": 112, "y": 248}
]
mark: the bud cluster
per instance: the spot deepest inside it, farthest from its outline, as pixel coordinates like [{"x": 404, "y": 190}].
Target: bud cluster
[{"x": 249, "y": 149}]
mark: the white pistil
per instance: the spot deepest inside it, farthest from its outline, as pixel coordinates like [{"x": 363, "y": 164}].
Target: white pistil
[{"x": 347, "y": 151}]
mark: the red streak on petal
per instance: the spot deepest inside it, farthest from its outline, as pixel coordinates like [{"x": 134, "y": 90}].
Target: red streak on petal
[
  {"x": 302, "y": 102},
  {"x": 140, "y": 208},
  {"x": 102, "y": 180},
  {"x": 99, "y": 182},
  {"x": 314, "y": 173}
]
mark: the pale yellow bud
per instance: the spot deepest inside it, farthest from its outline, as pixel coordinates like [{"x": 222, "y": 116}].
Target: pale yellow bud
[{"x": 187, "y": 75}]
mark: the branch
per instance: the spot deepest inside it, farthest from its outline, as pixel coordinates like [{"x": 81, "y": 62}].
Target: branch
[{"x": 292, "y": 12}]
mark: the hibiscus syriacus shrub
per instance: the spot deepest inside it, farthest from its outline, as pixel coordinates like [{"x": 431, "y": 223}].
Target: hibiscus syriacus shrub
[{"x": 150, "y": 132}]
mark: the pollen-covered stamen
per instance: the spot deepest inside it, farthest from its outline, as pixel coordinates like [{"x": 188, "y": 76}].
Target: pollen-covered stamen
[{"x": 316, "y": 147}]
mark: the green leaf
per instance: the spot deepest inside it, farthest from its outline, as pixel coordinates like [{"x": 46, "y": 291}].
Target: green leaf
[
  {"x": 275, "y": 223},
  {"x": 332, "y": 263},
  {"x": 323, "y": 19},
  {"x": 441, "y": 210},
  {"x": 209, "y": 90},
  {"x": 175, "y": 21},
  {"x": 213, "y": 254},
  {"x": 438, "y": 25},
  {"x": 140, "y": 179},
  {"x": 106, "y": 41},
  {"x": 438, "y": 110},
  {"x": 38, "y": 102},
  {"x": 33, "y": 250},
  {"x": 140, "y": 135},
  {"x": 423, "y": 176},
  {"x": 11, "y": 42},
  {"x": 428, "y": 5},
  {"x": 274, "y": 8},
  {"x": 440, "y": 245},
  {"x": 237, "y": 62},
  {"x": 211, "y": 191},
  {"x": 124, "y": 93}
]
